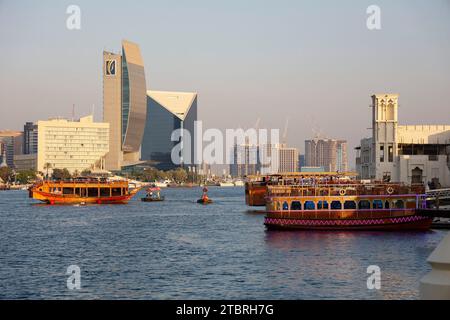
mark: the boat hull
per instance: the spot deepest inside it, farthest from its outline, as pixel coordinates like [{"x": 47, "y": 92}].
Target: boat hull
[
  {"x": 410, "y": 222},
  {"x": 50, "y": 198}
]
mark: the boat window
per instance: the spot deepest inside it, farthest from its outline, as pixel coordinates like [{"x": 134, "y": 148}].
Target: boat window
[
  {"x": 296, "y": 205},
  {"x": 377, "y": 204},
  {"x": 285, "y": 206},
  {"x": 349, "y": 204},
  {"x": 115, "y": 192},
  {"x": 399, "y": 204},
  {"x": 92, "y": 192},
  {"x": 67, "y": 190},
  {"x": 386, "y": 204},
  {"x": 364, "y": 204},
  {"x": 322, "y": 205},
  {"x": 104, "y": 192},
  {"x": 309, "y": 205},
  {"x": 336, "y": 205}
]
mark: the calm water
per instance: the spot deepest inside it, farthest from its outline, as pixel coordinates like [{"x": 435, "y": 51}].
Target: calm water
[{"x": 178, "y": 249}]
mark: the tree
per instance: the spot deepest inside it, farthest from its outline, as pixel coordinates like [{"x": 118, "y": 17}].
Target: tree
[
  {"x": 47, "y": 166},
  {"x": 6, "y": 174},
  {"x": 61, "y": 174},
  {"x": 179, "y": 175},
  {"x": 86, "y": 172},
  {"x": 26, "y": 176}
]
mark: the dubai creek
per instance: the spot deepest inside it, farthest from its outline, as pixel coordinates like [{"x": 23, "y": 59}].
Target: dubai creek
[{"x": 178, "y": 249}]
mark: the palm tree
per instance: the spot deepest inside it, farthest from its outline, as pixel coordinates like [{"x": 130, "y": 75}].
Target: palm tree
[{"x": 47, "y": 166}]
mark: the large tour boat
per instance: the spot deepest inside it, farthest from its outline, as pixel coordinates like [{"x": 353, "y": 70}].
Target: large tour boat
[
  {"x": 256, "y": 187},
  {"x": 87, "y": 190},
  {"x": 324, "y": 203}
]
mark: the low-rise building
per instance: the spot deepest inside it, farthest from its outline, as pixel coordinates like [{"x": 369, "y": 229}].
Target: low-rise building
[{"x": 403, "y": 153}]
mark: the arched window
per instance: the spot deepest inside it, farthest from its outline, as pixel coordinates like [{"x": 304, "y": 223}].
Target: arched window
[
  {"x": 349, "y": 204},
  {"x": 386, "y": 204},
  {"x": 285, "y": 206},
  {"x": 336, "y": 205},
  {"x": 322, "y": 205},
  {"x": 377, "y": 204},
  {"x": 364, "y": 204},
  {"x": 296, "y": 205},
  {"x": 309, "y": 205}
]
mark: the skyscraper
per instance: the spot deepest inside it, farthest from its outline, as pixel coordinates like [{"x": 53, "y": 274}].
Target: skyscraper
[
  {"x": 330, "y": 154},
  {"x": 124, "y": 104},
  {"x": 166, "y": 112},
  {"x": 30, "y": 138}
]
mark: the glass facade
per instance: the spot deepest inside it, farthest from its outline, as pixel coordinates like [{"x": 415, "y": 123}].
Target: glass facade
[
  {"x": 125, "y": 96},
  {"x": 156, "y": 143}
]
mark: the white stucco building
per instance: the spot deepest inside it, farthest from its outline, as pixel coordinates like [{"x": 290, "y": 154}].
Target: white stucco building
[
  {"x": 74, "y": 145},
  {"x": 403, "y": 153}
]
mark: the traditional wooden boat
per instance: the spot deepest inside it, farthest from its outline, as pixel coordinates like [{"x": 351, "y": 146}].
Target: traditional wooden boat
[
  {"x": 256, "y": 186},
  {"x": 351, "y": 205},
  {"x": 153, "y": 195},
  {"x": 82, "y": 191}
]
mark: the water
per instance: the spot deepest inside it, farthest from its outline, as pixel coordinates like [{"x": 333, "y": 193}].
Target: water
[{"x": 178, "y": 249}]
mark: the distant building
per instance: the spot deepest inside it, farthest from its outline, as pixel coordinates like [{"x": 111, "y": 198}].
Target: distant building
[
  {"x": 403, "y": 153},
  {"x": 166, "y": 112},
  {"x": 244, "y": 160},
  {"x": 301, "y": 161},
  {"x": 277, "y": 158},
  {"x": 331, "y": 154},
  {"x": 12, "y": 145},
  {"x": 313, "y": 169},
  {"x": 30, "y": 138},
  {"x": 124, "y": 104},
  {"x": 74, "y": 145},
  {"x": 25, "y": 161}
]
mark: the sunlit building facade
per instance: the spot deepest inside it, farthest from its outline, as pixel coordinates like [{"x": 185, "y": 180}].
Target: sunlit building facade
[
  {"x": 72, "y": 145},
  {"x": 166, "y": 112},
  {"x": 403, "y": 153},
  {"x": 124, "y": 104}
]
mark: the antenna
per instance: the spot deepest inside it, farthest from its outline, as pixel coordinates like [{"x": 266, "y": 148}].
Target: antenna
[
  {"x": 93, "y": 110},
  {"x": 73, "y": 112}
]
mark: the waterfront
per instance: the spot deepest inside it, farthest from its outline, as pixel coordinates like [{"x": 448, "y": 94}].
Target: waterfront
[{"x": 178, "y": 249}]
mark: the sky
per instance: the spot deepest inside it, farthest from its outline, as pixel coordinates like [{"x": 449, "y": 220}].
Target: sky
[{"x": 314, "y": 62}]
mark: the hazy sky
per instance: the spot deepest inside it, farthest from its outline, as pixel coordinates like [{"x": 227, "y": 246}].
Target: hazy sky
[{"x": 313, "y": 61}]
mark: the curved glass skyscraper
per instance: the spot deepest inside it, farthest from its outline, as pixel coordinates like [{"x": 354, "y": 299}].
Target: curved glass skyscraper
[{"x": 124, "y": 104}]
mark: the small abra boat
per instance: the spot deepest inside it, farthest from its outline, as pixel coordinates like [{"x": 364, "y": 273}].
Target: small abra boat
[
  {"x": 204, "y": 199},
  {"x": 153, "y": 195},
  {"x": 82, "y": 191},
  {"x": 348, "y": 205}
]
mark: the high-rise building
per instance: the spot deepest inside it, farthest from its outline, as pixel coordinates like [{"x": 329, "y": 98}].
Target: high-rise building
[
  {"x": 72, "y": 145},
  {"x": 30, "y": 138},
  {"x": 403, "y": 153},
  {"x": 301, "y": 161},
  {"x": 12, "y": 144},
  {"x": 330, "y": 154},
  {"x": 166, "y": 112},
  {"x": 277, "y": 158},
  {"x": 244, "y": 160},
  {"x": 124, "y": 104}
]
